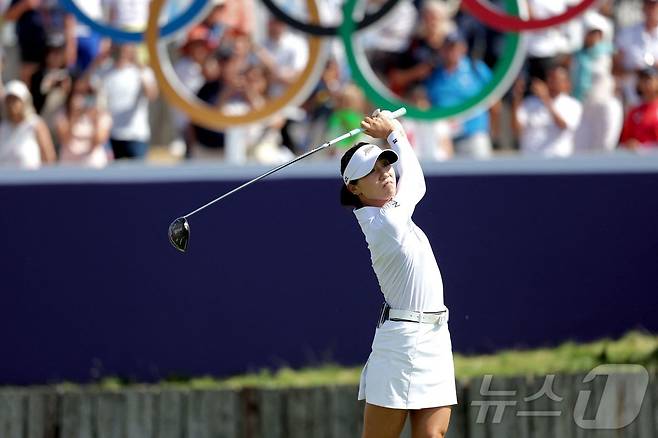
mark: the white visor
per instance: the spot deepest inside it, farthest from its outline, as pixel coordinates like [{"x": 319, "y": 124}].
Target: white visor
[{"x": 363, "y": 161}]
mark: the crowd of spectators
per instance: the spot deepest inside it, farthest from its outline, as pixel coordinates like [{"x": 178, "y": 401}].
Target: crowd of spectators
[{"x": 590, "y": 85}]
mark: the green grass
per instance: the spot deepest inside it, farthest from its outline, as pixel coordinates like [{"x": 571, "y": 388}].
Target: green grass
[{"x": 569, "y": 357}]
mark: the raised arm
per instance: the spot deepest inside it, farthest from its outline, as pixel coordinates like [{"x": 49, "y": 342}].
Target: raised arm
[{"x": 411, "y": 182}]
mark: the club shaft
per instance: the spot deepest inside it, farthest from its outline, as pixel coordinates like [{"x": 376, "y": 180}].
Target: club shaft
[{"x": 352, "y": 133}]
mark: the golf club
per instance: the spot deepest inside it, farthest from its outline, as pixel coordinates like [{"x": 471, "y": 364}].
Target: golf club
[{"x": 179, "y": 230}]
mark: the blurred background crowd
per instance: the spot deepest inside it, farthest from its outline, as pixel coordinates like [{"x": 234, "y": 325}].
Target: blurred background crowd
[{"x": 71, "y": 96}]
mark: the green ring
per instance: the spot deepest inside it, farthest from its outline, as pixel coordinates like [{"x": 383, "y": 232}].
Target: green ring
[{"x": 503, "y": 69}]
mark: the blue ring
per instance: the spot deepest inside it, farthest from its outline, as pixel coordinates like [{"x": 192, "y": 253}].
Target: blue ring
[{"x": 119, "y": 35}]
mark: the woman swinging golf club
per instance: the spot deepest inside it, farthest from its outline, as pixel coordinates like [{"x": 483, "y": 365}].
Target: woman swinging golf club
[{"x": 410, "y": 370}]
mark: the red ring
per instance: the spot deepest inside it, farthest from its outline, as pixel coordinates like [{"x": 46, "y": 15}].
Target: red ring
[{"x": 508, "y": 23}]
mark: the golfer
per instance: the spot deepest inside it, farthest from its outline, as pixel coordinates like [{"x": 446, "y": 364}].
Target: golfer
[{"x": 410, "y": 370}]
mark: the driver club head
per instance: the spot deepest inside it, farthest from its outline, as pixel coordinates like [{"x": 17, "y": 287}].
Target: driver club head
[{"x": 179, "y": 234}]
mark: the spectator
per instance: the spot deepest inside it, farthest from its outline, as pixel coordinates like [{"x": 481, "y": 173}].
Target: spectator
[
  {"x": 637, "y": 45},
  {"x": 233, "y": 86},
  {"x": 284, "y": 55},
  {"x": 641, "y": 124},
  {"x": 346, "y": 117},
  {"x": 232, "y": 16},
  {"x": 416, "y": 64},
  {"x": 129, "y": 87},
  {"x": 90, "y": 45},
  {"x": 430, "y": 138},
  {"x": 603, "y": 115},
  {"x": 189, "y": 69},
  {"x": 194, "y": 52},
  {"x": 545, "y": 122},
  {"x": 83, "y": 126},
  {"x": 457, "y": 79},
  {"x": 25, "y": 141},
  {"x": 595, "y": 58},
  {"x": 637, "y": 48},
  {"x": 320, "y": 105},
  {"x": 204, "y": 142},
  {"x": 52, "y": 77},
  {"x": 390, "y": 36},
  {"x": 128, "y": 14},
  {"x": 35, "y": 21},
  {"x": 546, "y": 47},
  {"x": 243, "y": 91}
]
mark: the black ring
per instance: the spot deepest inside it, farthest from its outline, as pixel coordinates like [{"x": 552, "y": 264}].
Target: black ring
[{"x": 319, "y": 30}]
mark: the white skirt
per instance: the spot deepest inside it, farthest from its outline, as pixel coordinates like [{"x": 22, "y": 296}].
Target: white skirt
[{"x": 410, "y": 367}]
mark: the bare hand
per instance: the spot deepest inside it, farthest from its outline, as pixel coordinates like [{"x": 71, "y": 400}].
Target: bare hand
[
  {"x": 377, "y": 127},
  {"x": 540, "y": 89}
]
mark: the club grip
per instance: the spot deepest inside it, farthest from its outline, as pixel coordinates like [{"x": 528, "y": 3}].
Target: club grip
[{"x": 398, "y": 113}]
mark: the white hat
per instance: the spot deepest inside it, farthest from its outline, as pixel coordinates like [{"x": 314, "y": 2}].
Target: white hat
[
  {"x": 18, "y": 89},
  {"x": 594, "y": 21},
  {"x": 363, "y": 161}
]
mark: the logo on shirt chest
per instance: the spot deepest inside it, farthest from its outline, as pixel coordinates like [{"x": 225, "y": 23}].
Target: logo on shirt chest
[{"x": 391, "y": 204}]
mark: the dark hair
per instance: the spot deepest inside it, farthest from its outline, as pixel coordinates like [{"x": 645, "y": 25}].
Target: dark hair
[{"x": 347, "y": 198}]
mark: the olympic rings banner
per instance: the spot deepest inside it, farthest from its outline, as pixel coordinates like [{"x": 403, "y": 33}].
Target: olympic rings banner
[{"x": 512, "y": 22}]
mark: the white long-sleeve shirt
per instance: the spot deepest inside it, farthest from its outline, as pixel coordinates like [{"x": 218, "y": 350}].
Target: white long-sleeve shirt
[{"x": 401, "y": 254}]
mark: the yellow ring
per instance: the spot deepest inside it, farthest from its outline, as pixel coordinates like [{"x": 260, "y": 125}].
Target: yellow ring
[{"x": 209, "y": 117}]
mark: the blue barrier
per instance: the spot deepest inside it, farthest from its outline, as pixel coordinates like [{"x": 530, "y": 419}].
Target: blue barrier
[{"x": 280, "y": 274}]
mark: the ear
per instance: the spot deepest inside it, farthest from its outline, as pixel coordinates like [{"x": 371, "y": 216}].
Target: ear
[{"x": 353, "y": 189}]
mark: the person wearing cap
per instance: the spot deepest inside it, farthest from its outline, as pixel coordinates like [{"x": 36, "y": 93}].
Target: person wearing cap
[
  {"x": 453, "y": 82},
  {"x": 595, "y": 57},
  {"x": 594, "y": 87},
  {"x": 25, "y": 141},
  {"x": 641, "y": 124},
  {"x": 410, "y": 371}
]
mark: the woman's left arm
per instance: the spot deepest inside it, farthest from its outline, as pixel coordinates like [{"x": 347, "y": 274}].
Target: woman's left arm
[{"x": 411, "y": 182}]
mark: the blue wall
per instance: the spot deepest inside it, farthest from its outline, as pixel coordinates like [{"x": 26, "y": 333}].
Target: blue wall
[{"x": 280, "y": 274}]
